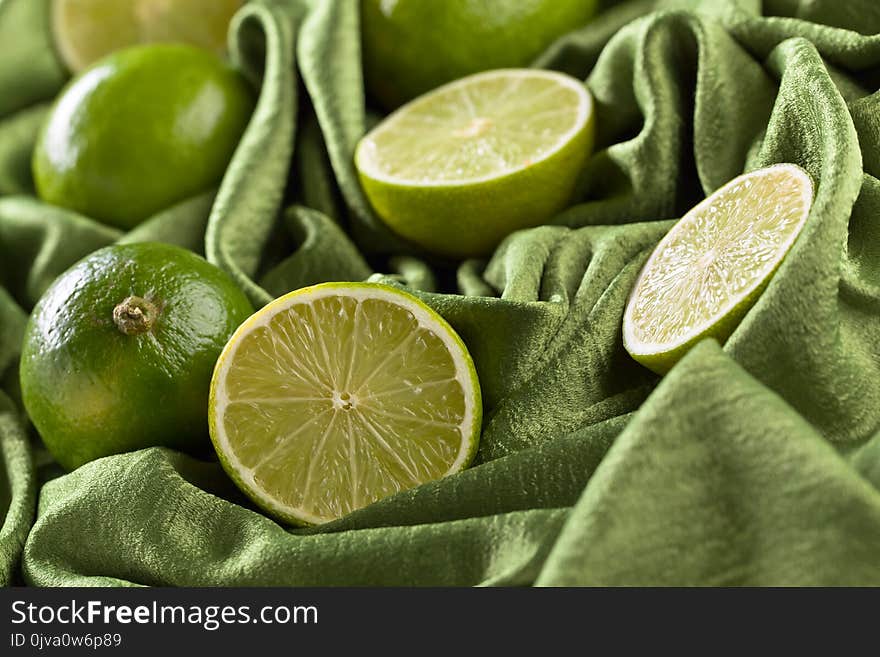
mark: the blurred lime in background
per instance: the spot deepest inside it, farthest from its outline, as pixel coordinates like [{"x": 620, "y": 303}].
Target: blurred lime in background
[
  {"x": 413, "y": 46},
  {"x": 86, "y": 30},
  {"x": 140, "y": 130}
]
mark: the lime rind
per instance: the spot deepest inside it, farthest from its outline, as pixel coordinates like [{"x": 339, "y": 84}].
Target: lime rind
[
  {"x": 701, "y": 278},
  {"x": 465, "y": 374}
]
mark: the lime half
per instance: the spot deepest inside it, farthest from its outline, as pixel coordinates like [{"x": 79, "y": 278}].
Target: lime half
[
  {"x": 713, "y": 264},
  {"x": 337, "y": 395},
  {"x": 456, "y": 170},
  {"x": 86, "y": 30}
]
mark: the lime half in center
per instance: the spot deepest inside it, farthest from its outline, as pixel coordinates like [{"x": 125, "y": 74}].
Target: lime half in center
[{"x": 335, "y": 396}]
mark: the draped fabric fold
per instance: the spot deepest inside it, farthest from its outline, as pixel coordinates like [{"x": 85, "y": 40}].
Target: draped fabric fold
[{"x": 756, "y": 462}]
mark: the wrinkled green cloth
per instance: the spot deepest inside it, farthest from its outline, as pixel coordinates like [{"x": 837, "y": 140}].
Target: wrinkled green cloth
[{"x": 755, "y": 463}]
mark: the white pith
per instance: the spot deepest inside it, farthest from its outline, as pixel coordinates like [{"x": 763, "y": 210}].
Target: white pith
[
  {"x": 426, "y": 320},
  {"x": 365, "y": 158}
]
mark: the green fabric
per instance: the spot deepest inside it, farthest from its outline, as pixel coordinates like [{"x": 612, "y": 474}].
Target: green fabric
[{"x": 753, "y": 464}]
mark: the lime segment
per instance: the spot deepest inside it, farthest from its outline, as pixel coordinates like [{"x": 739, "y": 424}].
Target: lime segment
[
  {"x": 461, "y": 167},
  {"x": 714, "y": 263},
  {"x": 335, "y": 396}
]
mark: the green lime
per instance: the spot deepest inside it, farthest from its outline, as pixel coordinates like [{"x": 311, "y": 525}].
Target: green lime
[
  {"x": 413, "y": 46},
  {"x": 118, "y": 352},
  {"x": 712, "y": 266},
  {"x": 337, "y": 395},
  {"x": 140, "y": 130},
  {"x": 86, "y": 30},
  {"x": 459, "y": 168}
]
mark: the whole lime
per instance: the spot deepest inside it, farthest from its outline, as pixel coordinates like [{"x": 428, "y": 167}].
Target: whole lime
[
  {"x": 413, "y": 46},
  {"x": 118, "y": 353},
  {"x": 140, "y": 130}
]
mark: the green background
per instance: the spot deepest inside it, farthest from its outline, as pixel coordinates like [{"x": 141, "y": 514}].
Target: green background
[{"x": 755, "y": 464}]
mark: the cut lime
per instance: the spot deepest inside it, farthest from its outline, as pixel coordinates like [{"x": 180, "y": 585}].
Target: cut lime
[
  {"x": 337, "y": 395},
  {"x": 713, "y": 264},
  {"x": 456, "y": 170},
  {"x": 86, "y": 30}
]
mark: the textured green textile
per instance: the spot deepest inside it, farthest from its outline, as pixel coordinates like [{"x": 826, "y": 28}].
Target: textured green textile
[{"x": 753, "y": 464}]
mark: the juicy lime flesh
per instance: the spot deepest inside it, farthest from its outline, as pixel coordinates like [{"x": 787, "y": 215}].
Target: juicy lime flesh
[
  {"x": 339, "y": 399},
  {"x": 488, "y": 126},
  {"x": 716, "y": 256},
  {"x": 86, "y": 30}
]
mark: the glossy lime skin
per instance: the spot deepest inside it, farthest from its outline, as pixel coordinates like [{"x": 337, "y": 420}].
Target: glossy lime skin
[
  {"x": 140, "y": 130},
  {"x": 413, "y": 46},
  {"x": 91, "y": 389}
]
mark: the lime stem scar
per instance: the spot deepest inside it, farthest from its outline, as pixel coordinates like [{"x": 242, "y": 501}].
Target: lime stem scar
[{"x": 135, "y": 315}]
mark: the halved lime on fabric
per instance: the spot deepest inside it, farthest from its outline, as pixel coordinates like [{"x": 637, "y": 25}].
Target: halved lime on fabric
[
  {"x": 337, "y": 395},
  {"x": 713, "y": 264},
  {"x": 86, "y": 30},
  {"x": 458, "y": 169}
]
